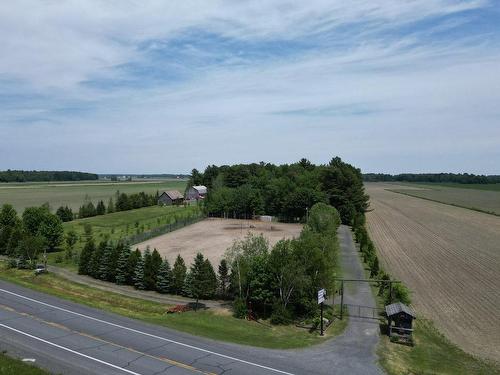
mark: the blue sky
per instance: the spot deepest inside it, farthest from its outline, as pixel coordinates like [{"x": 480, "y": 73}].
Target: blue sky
[{"x": 160, "y": 87}]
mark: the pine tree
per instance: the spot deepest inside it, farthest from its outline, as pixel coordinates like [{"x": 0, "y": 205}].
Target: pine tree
[
  {"x": 131, "y": 264},
  {"x": 139, "y": 274},
  {"x": 186, "y": 286},
  {"x": 105, "y": 264},
  {"x": 111, "y": 206},
  {"x": 223, "y": 278},
  {"x": 156, "y": 263},
  {"x": 148, "y": 269},
  {"x": 202, "y": 282},
  {"x": 209, "y": 280},
  {"x": 100, "y": 208},
  {"x": 164, "y": 278},
  {"x": 86, "y": 257},
  {"x": 178, "y": 275},
  {"x": 195, "y": 284},
  {"x": 122, "y": 265},
  {"x": 95, "y": 261}
]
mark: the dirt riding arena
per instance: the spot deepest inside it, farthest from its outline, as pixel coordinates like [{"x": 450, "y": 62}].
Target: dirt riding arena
[
  {"x": 450, "y": 259},
  {"x": 212, "y": 237}
]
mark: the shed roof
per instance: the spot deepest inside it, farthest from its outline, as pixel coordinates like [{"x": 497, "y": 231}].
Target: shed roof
[
  {"x": 398, "y": 307},
  {"x": 174, "y": 194},
  {"x": 200, "y": 188}
]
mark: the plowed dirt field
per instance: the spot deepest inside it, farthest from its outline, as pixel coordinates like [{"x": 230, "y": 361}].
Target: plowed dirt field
[{"x": 450, "y": 259}]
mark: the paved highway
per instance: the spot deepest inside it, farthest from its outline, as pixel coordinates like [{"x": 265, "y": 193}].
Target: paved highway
[{"x": 69, "y": 338}]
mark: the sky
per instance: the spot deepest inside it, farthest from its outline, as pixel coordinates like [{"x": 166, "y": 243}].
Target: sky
[{"x": 166, "y": 86}]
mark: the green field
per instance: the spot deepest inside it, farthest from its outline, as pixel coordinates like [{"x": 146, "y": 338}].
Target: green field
[
  {"x": 487, "y": 187},
  {"x": 484, "y": 198},
  {"x": 217, "y": 324},
  {"x": 120, "y": 225},
  {"x": 11, "y": 366},
  {"x": 72, "y": 194}
]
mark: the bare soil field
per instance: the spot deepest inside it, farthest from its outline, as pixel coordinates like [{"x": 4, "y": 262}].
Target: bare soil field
[
  {"x": 449, "y": 257},
  {"x": 212, "y": 237},
  {"x": 482, "y": 200}
]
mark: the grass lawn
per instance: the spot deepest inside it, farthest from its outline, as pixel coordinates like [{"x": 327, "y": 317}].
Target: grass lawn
[
  {"x": 432, "y": 354},
  {"x": 22, "y": 195},
  {"x": 11, "y": 366},
  {"x": 122, "y": 224},
  {"x": 214, "y": 324}
]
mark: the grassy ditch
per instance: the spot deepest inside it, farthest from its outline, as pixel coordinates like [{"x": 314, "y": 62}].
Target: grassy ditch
[
  {"x": 216, "y": 324},
  {"x": 432, "y": 354},
  {"x": 11, "y": 366}
]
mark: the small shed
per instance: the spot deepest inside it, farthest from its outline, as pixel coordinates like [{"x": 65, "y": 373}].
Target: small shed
[
  {"x": 196, "y": 192},
  {"x": 170, "y": 197},
  {"x": 402, "y": 316}
]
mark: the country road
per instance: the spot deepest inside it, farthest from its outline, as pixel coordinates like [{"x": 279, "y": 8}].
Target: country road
[{"x": 70, "y": 338}]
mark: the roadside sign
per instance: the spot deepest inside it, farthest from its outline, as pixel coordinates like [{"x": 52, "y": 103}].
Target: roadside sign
[{"x": 321, "y": 296}]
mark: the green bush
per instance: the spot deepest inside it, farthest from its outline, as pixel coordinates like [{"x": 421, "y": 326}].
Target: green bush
[
  {"x": 239, "y": 308},
  {"x": 280, "y": 315}
]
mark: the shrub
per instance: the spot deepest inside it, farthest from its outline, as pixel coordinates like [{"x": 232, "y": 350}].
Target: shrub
[
  {"x": 239, "y": 308},
  {"x": 280, "y": 315}
]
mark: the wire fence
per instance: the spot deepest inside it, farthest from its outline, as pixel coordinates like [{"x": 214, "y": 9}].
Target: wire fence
[{"x": 167, "y": 228}]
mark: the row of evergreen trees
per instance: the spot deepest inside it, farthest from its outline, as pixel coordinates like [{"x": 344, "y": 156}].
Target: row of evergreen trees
[
  {"x": 122, "y": 202},
  {"x": 148, "y": 271}
]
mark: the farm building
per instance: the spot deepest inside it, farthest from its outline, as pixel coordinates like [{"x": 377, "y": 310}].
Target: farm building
[
  {"x": 170, "y": 197},
  {"x": 402, "y": 316},
  {"x": 196, "y": 192}
]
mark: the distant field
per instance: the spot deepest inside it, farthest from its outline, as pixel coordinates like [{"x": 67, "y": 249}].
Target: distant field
[
  {"x": 22, "y": 195},
  {"x": 475, "y": 196},
  {"x": 450, "y": 259},
  {"x": 488, "y": 187}
]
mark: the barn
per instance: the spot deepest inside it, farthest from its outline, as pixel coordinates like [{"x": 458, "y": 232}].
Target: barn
[
  {"x": 196, "y": 192},
  {"x": 170, "y": 197}
]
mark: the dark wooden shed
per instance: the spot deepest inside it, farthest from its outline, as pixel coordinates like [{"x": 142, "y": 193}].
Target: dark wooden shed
[
  {"x": 170, "y": 197},
  {"x": 402, "y": 316}
]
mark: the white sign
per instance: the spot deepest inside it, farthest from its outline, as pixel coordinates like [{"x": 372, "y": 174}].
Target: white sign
[{"x": 321, "y": 295}]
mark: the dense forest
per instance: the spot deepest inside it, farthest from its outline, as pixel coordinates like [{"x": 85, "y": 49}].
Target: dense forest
[
  {"x": 44, "y": 176},
  {"x": 458, "y": 178},
  {"x": 285, "y": 191}
]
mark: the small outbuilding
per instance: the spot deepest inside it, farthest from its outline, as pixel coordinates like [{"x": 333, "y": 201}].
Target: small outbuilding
[
  {"x": 402, "y": 316},
  {"x": 196, "y": 192},
  {"x": 170, "y": 197}
]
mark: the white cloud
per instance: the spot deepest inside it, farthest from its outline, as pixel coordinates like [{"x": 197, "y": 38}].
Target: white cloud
[{"x": 409, "y": 95}]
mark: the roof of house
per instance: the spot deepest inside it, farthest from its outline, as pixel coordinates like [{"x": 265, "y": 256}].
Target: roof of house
[
  {"x": 173, "y": 194},
  {"x": 398, "y": 307},
  {"x": 200, "y": 188}
]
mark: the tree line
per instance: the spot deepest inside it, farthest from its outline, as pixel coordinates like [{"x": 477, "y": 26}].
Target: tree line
[
  {"x": 285, "y": 191},
  {"x": 458, "y": 178},
  {"x": 25, "y": 237},
  {"x": 279, "y": 281},
  {"x": 44, "y": 176},
  {"x": 122, "y": 202}
]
